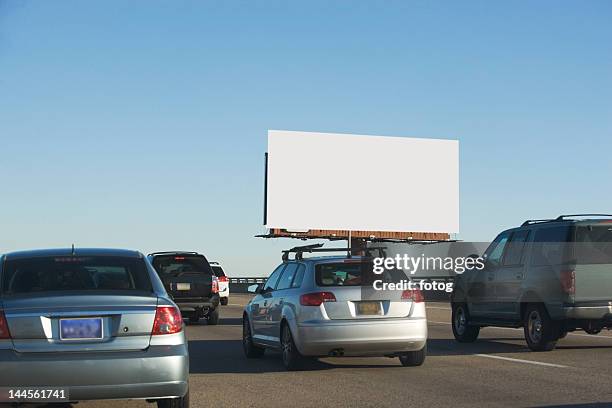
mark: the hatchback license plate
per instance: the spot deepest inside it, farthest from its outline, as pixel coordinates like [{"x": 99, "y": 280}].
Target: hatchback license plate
[
  {"x": 183, "y": 286},
  {"x": 81, "y": 329},
  {"x": 368, "y": 308}
]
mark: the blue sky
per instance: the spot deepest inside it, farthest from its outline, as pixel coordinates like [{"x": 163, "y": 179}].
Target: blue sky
[{"x": 143, "y": 124}]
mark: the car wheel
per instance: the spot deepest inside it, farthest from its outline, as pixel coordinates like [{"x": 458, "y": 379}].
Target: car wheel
[
  {"x": 174, "y": 402},
  {"x": 463, "y": 332},
  {"x": 292, "y": 359},
  {"x": 541, "y": 332},
  {"x": 224, "y": 301},
  {"x": 213, "y": 317},
  {"x": 250, "y": 349},
  {"x": 413, "y": 358}
]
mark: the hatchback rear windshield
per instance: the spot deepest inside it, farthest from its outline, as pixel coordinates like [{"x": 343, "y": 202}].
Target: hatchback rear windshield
[
  {"x": 177, "y": 265},
  {"x": 342, "y": 273},
  {"x": 74, "y": 273},
  {"x": 594, "y": 244}
]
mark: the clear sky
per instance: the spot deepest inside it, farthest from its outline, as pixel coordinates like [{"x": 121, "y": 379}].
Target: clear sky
[{"x": 142, "y": 124}]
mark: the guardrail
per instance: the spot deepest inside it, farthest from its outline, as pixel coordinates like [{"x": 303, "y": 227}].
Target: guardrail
[{"x": 240, "y": 285}]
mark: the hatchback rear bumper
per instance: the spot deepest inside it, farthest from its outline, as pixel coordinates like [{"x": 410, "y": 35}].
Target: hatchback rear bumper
[
  {"x": 158, "y": 372},
  {"x": 361, "y": 338}
]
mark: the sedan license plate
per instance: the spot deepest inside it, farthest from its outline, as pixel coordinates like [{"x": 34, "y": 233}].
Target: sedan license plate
[
  {"x": 183, "y": 286},
  {"x": 368, "y": 308},
  {"x": 81, "y": 329}
]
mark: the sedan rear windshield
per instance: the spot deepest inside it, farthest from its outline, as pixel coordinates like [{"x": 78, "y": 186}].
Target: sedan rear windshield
[
  {"x": 74, "y": 274},
  {"x": 177, "y": 265}
]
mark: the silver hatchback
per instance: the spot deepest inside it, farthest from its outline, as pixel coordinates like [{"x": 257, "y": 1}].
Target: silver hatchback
[
  {"x": 96, "y": 323},
  {"x": 316, "y": 307}
]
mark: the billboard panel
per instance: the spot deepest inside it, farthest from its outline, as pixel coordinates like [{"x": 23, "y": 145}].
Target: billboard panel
[{"x": 357, "y": 182}]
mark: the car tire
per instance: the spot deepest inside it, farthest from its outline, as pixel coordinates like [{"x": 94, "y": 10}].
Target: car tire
[
  {"x": 182, "y": 402},
  {"x": 413, "y": 358},
  {"x": 224, "y": 301},
  {"x": 213, "y": 317},
  {"x": 292, "y": 359},
  {"x": 250, "y": 349},
  {"x": 541, "y": 332},
  {"x": 463, "y": 332}
]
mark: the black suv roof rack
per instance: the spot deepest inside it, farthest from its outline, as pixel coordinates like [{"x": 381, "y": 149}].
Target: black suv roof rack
[
  {"x": 299, "y": 251},
  {"x": 564, "y": 217},
  {"x": 174, "y": 252},
  {"x": 529, "y": 222}
]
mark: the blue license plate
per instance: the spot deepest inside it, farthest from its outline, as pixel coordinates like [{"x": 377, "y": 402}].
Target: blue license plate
[{"x": 81, "y": 329}]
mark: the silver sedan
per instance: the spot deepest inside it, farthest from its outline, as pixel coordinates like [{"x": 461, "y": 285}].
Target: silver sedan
[
  {"x": 322, "y": 307},
  {"x": 93, "y": 324}
]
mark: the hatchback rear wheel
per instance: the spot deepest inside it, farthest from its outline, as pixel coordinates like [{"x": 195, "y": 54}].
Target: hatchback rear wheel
[
  {"x": 292, "y": 359},
  {"x": 413, "y": 358},
  {"x": 182, "y": 402}
]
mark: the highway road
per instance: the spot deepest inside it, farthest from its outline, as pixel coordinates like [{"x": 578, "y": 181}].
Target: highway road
[{"x": 497, "y": 370}]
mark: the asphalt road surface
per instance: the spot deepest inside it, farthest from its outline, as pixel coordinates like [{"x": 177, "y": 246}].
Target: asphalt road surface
[{"x": 497, "y": 370}]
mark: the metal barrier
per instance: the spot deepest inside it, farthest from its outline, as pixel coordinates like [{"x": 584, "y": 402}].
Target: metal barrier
[{"x": 240, "y": 285}]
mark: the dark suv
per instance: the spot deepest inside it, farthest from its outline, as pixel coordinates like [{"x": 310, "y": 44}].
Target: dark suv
[
  {"x": 548, "y": 276},
  {"x": 189, "y": 279}
]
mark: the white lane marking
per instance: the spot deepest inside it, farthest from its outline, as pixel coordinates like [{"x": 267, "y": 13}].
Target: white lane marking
[
  {"x": 603, "y": 336},
  {"x": 518, "y": 360},
  {"x": 439, "y": 308}
]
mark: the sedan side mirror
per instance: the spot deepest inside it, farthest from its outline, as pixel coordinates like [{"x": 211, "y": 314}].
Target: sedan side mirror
[{"x": 256, "y": 288}]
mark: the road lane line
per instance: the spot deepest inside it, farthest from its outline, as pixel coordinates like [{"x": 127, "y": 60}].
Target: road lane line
[
  {"x": 439, "y": 308},
  {"x": 518, "y": 360}
]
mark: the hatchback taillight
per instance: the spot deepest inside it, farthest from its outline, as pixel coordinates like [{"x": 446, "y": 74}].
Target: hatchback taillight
[
  {"x": 315, "y": 299},
  {"x": 168, "y": 320},
  {"x": 414, "y": 295},
  {"x": 568, "y": 281},
  {"x": 215, "y": 285},
  {"x": 4, "y": 330}
]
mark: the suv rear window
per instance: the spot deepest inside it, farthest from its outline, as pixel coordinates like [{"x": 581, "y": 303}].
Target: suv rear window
[
  {"x": 74, "y": 273},
  {"x": 181, "y": 264},
  {"x": 594, "y": 244},
  {"x": 218, "y": 271}
]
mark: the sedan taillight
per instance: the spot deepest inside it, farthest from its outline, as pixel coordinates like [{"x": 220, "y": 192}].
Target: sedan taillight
[
  {"x": 168, "y": 320},
  {"x": 4, "y": 330},
  {"x": 315, "y": 299}
]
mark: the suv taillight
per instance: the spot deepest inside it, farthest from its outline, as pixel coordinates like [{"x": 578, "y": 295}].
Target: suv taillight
[
  {"x": 414, "y": 295},
  {"x": 223, "y": 279},
  {"x": 215, "y": 284},
  {"x": 567, "y": 278},
  {"x": 4, "y": 330},
  {"x": 168, "y": 320},
  {"x": 315, "y": 299}
]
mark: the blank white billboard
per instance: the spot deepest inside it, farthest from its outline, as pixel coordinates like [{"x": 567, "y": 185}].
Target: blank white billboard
[{"x": 362, "y": 183}]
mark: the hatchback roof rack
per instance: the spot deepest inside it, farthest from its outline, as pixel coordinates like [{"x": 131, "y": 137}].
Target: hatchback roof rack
[
  {"x": 299, "y": 251},
  {"x": 563, "y": 217}
]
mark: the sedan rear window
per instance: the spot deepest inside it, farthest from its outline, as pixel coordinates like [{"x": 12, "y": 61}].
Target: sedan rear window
[{"x": 74, "y": 273}]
